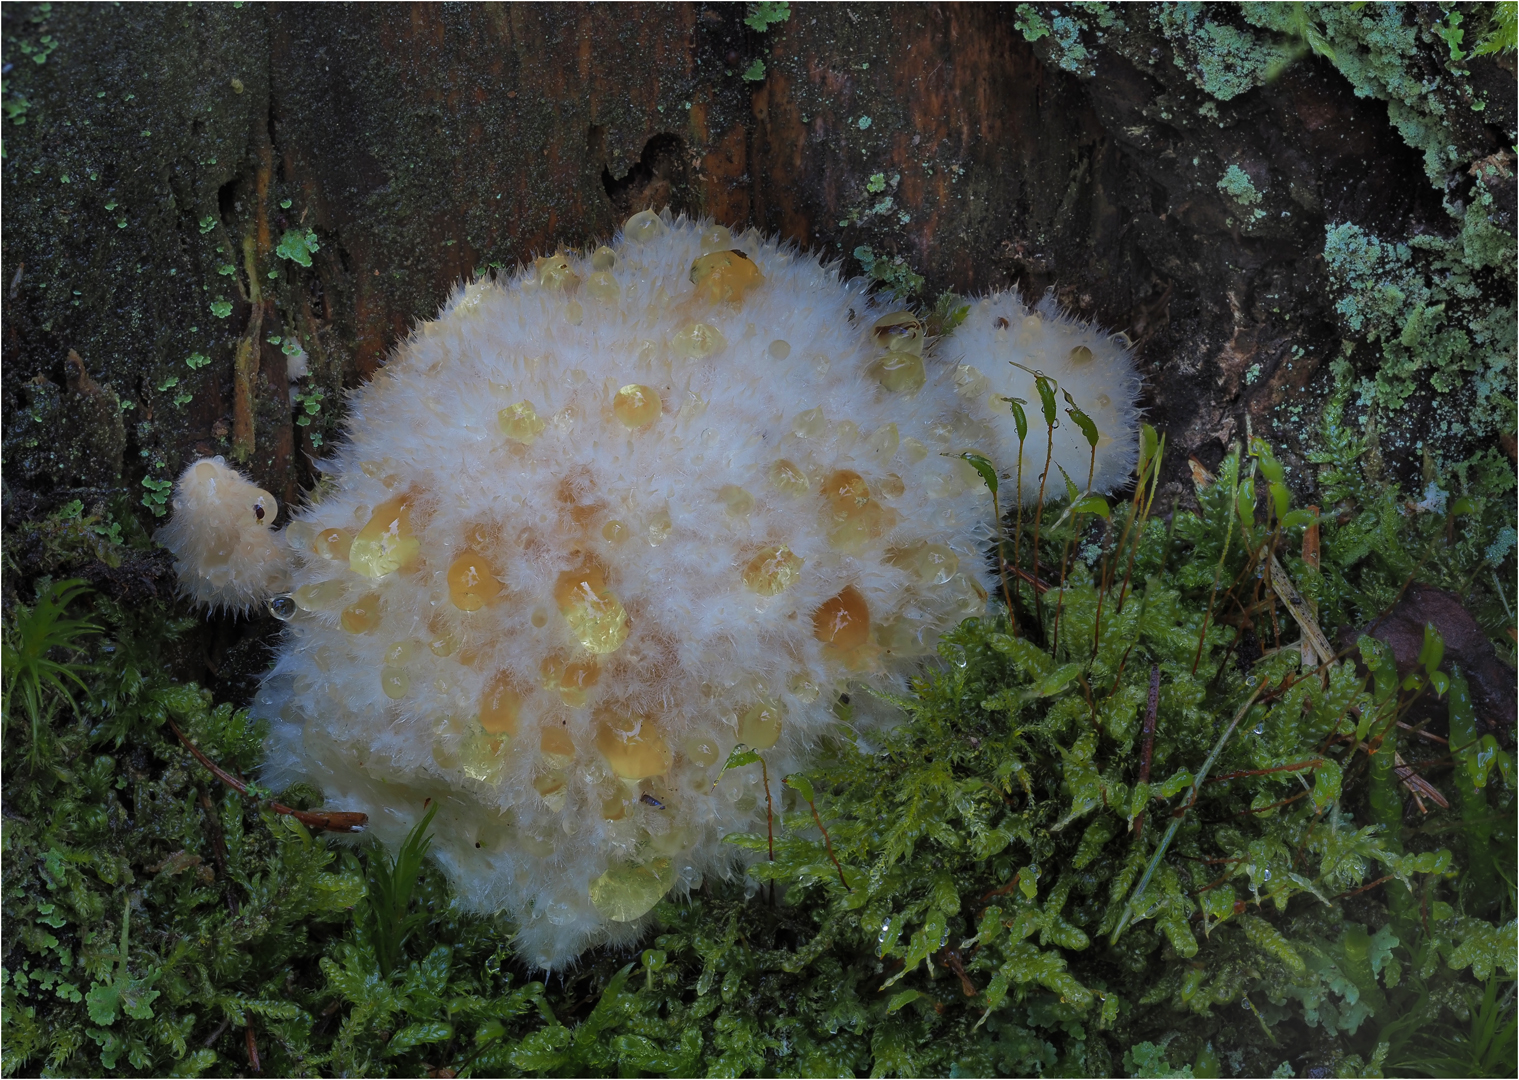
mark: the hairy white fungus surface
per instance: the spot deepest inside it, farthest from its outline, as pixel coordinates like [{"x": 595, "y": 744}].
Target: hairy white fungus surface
[{"x": 601, "y": 523}]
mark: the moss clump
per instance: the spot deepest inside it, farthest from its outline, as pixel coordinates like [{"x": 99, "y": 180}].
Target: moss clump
[{"x": 1032, "y": 870}]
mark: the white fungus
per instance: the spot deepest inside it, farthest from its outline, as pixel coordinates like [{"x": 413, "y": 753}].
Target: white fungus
[
  {"x": 222, "y": 536},
  {"x": 598, "y": 525}
]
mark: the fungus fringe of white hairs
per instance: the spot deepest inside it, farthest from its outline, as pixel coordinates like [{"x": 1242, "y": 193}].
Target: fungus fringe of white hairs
[{"x": 226, "y": 550}]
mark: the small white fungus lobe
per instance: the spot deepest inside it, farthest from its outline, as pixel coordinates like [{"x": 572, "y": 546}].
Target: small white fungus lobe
[
  {"x": 226, "y": 550},
  {"x": 598, "y": 525}
]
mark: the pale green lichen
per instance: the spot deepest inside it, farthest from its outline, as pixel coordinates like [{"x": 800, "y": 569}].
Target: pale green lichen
[{"x": 1236, "y": 184}]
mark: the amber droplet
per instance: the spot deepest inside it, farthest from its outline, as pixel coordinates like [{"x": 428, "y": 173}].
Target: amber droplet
[
  {"x": 570, "y": 679},
  {"x": 402, "y": 652},
  {"x": 759, "y": 727},
  {"x": 843, "y": 622},
  {"x": 643, "y": 226},
  {"x": 1080, "y": 355},
  {"x": 779, "y": 349},
  {"x": 787, "y": 478},
  {"x": 660, "y": 527},
  {"x": 472, "y": 582},
  {"x": 321, "y": 595},
  {"x": 614, "y": 532},
  {"x": 596, "y": 617},
  {"x": 501, "y": 706},
  {"x": 603, "y": 286},
  {"x": 556, "y": 746},
  {"x": 551, "y": 787},
  {"x": 603, "y": 258},
  {"x": 554, "y": 273},
  {"x": 739, "y": 502},
  {"x": 809, "y": 424},
  {"x": 636, "y": 406},
  {"x": 614, "y": 808},
  {"x": 697, "y": 341},
  {"x": 333, "y": 544},
  {"x": 631, "y": 745},
  {"x": 701, "y": 750},
  {"x": 520, "y": 422},
  {"x": 898, "y": 332},
  {"x": 395, "y": 682},
  {"x": 891, "y": 486},
  {"x": 899, "y": 372},
  {"x": 386, "y": 544},
  {"x": 363, "y": 615},
  {"x": 932, "y": 564},
  {"x": 539, "y": 618},
  {"x": 716, "y": 238},
  {"x": 725, "y": 276},
  {"x": 772, "y": 569},
  {"x": 852, "y": 518}
]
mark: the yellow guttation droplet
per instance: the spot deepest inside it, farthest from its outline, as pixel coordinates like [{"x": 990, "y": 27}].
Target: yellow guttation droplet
[
  {"x": 760, "y": 726},
  {"x": 1103, "y": 401},
  {"x": 1080, "y": 355},
  {"x": 386, "y": 544},
  {"x": 603, "y": 258},
  {"x": 603, "y": 286},
  {"x": 770, "y": 571},
  {"x": 787, "y": 478},
  {"x": 779, "y": 349},
  {"x": 556, "y": 746},
  {"x": 660, "y": 527},
  {"x": 643, "y": 226},
  {"x": 891, "y": 486},
  {"x": 551, "y": 787},
  {"x": 843, "y": 622},
  {"x": 333, "y": 544},
  {"x": 883, "y": 441},
  {"x": 614, "y": 531},
  {"x": 716, "y": 238},
  {"x": 501, "y": 706},
  {"x": 625, "y": 893},
  {"x": 472, "y": 582},
  {"x": 913, "y": 450},
  {"x": 738, "y": 501},
  {"x": 520, "y": 422},
  {"x": 570, "y": 679},
  {"x": 402, "y": 652},
  {"x": 596, "y": 617},
  {"x": 614, "y": 808},
  {"x": 635, "y": 405},
  {"x": 1030, "y": 330},
  {"x": 554, "y": 273},
  {"x": 363, "y": 615},
  {"x": 697, "y": 341},
  {"x": 932, "y": 564},
  {"x": 701, "y": 750},
  {"x": 898, "y": 332},
  {"x": 809, "y": 424},
  {"x": 852, "y": 519},
  {"x": 901, "y": 373},
  {"x": 395, "y": 682},
  {"x": 725, "y": 276},
  {"x": 321, "y": 595},
  {"x": 631, "y": 745}
]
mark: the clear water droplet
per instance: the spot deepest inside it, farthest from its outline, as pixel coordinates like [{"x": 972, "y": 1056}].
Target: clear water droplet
[{"x": 282, "y": 608}]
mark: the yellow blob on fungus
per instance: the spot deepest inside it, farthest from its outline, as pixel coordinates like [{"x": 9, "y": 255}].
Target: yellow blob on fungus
[
  {"x": 697, "y": 341},
  {"x": 333, "y": 544},
  {"x": 556, "y": 746},
  {"x": 759, "y": 727},
  {"x": 321, "y": 595},
  {"x": 725, "y": 276},
  {"x": 636, "y": 406},
  {"x": 898, "y": 332},
  {"x": 772, "y": 569},
  {"x": 625, "y": 893},
  {"x": 394, "y": 682},
  {"x": 631, "y": 745},
  {"x": 501, "y": 706},
  {"x": 570, "y": 679},
  {"x": 843, "y": 622},
  {"x": 901, "y": 373},
  {"x": 788, "y": 479},
  {"x": 603, "y": 286},
  {"x": 363, "y": 615},
  {"x": 596, "y": 618},
  {"x": 554, "y": 273},
  {"x": 386, "y": 544},
  {"x": 643, "y": 227},
  {"x": 701, "y": 750},
  {"x": 738, "y": 501},
  {"x": 614, "y": 531},
  {"x": 852, "y": 519},
  {"x": 1080, "y": 355},
  {"x": 471, "y": 582},
  {"x": 716, "y": 238},
  {"x": 932, "y": 564},
  {"x": 603, "y": 258},
  {"x": 520, "y": 422},
  {"x": 779, "y": 349}
]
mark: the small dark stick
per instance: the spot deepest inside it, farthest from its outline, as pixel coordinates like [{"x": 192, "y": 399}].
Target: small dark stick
[
  {"x": 1147, "y": 743},
  {"x": 253, "y": 1061}
]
